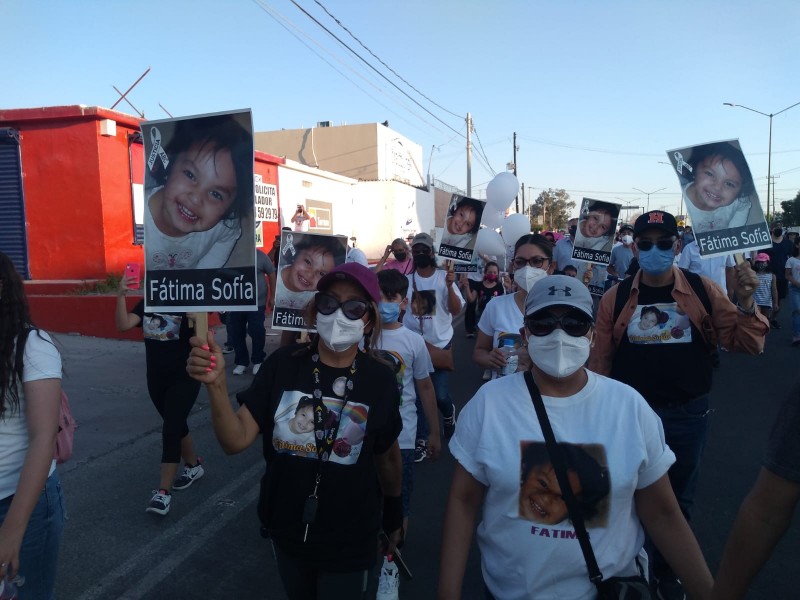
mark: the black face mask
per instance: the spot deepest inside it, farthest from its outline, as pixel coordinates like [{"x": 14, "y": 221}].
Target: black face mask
[
  {"x": 400, "y": 256},
  {"x": 573, "y": 231},
  {"x": 777, "y": 232},
  {"x": 760, "y": 267},
  {"x": 422, "y": 261}
]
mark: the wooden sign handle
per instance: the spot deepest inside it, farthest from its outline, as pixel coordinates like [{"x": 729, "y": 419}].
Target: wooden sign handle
[{"x": 200, "y": 321}]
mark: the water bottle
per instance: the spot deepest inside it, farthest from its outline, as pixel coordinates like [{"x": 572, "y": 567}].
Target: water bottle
[
  {"x": 9, "y": 585},
  {"x": 510, "y": 351},
  {"x": 389, "y": 582}
]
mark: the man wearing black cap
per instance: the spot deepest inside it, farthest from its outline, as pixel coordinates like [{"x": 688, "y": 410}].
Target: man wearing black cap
[{"x": 665, "y": 322}]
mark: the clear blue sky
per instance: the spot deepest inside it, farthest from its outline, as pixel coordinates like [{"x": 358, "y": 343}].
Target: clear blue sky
[{"x": 597, "y": 91}]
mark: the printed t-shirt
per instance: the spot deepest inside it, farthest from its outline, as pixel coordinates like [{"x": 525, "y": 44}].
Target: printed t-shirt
[
  {"x": 166, "y": 339},
  {"x": 406, "y": 351},
  {"x": 342, "y": 537},
  {"x": 487, "y": 293},
  {"x": 40, "y": 360},
  {"x": 537, "y": 555},
  {"x": 428, "y": 303},
  {"x": 502, "y": 319},
  {"x": 662, "y": 354}
]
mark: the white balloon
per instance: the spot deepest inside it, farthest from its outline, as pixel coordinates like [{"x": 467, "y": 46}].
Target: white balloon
[
  {"x": 514, "y": 227},
  {"x": 493, "y": 218},
  {"x": 501, "y": 191},
  {"x": 489, "y": 242}
]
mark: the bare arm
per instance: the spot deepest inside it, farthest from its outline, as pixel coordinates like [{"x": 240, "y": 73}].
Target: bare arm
[
  {"x": 485, "y": 355},
  {"x": 125, "y": 320},
  {"x": 272, "y": 278},
  {"x": 463, "y": 503},
  {"x": 775, "y": 300},
  {"x": 384, "y": 258},
  {"x": 763, "y": 519},
  {"x": 427, "y": 396},
  {"x": 469, "y": 294},
  {"x": 453, "y": 297},
  {"x": 665, "y": 524},
  {"x": 235, "y": 431},
  {"x": 42, "y": 400}
]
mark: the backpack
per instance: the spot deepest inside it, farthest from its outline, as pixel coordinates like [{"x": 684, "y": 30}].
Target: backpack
[
  {"x": 699, "y": 289},
  {"x": 66, "y": 431}
]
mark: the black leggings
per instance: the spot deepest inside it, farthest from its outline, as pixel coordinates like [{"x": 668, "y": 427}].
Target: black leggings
[
  {"x": 303, "y": 582},
  {"x": 173, "y": 395}
]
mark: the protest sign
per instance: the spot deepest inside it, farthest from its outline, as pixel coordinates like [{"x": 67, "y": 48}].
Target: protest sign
[
  {"x": 597, "y": 224},
  {"x": 456, "y": 236}
]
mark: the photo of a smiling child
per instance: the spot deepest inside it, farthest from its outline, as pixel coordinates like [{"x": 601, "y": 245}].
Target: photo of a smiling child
[
  {"x": 198, "y": 208},
  {"x": 720, "y": 197},
  {"x": 456, "y": 238},
  {"x": 594, "y": 237}
]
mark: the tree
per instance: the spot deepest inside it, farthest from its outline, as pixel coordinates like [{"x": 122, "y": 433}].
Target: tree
[
  {"x": 791, "y": 211},
  {"x": 554, "y": 206}
]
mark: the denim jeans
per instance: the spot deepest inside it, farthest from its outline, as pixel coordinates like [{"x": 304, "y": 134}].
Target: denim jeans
[
  {"x": 38, "y": 557},
  {"x": 240, "y": 325},
  {"x": 440, "y": 380},
  {"x": 794, "y": 295},
  {"x": 685, "y": 430}
]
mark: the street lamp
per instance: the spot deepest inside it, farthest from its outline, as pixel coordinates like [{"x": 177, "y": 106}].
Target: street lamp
[
  {"x": 648, "y": 195},
  {"x": 769, "y": 152}
]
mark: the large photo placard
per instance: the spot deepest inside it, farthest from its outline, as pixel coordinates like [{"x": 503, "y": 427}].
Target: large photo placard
[
  {"x": 303, "y": 259},
  {"x": 720, "y": 198},
  {"x": 597, "y": 224},
  {"x": 199, "y": 233},
  {"x": 455, "y": 237}
]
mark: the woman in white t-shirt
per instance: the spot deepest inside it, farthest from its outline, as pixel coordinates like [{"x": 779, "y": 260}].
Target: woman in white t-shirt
[
  {"x": 617, "y": 462},
  {"x": 793, "y": 277},
  {"x": 31, "y": 499},
  {"x": 502, "y": 317}
]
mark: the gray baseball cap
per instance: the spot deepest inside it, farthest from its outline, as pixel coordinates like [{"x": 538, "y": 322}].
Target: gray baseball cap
[
  {"x": 424, "y": 239},
  {"x": 559, "y": 290}
]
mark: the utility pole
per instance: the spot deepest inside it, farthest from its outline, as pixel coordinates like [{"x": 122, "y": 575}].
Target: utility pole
[
  {"x": 523, "y": 198},
  {"x": 469, "y": 155},
  {"x": 516, "y": 198}
]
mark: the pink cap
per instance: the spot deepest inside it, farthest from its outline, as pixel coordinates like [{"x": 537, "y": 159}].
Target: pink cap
[{"x": 762, "y": 257}]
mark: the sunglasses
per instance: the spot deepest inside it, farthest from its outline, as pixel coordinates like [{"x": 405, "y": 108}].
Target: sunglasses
[
  {"x": 645, "y": 245},
  {"x": 574, "y": 323},
  {"x": 352, "y": 309},
  {"x": 536, "y": 261}
]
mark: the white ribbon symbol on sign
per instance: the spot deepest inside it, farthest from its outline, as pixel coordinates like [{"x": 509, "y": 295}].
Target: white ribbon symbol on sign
[
  {"x": 289, "y": 246},
  {"x": 680, "y": 163},
  {"x": 157, "y": 150}
]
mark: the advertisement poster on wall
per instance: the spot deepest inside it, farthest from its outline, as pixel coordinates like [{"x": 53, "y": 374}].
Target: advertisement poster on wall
[
  {"x": 321, "y": 216},
  {"x": 199, "y": 231}
]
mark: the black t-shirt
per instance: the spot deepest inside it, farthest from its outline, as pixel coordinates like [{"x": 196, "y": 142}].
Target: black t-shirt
[
  {"x": 166, "y": 339},
  {"x": 487, "y": 293},
  {"x": 344, "y": 533},
  {"x": 662, "y": 354},
  {"x": 778, "y": 255}
]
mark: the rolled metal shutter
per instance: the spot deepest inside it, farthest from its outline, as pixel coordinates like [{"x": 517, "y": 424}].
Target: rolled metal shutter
[{"x": 13, "y": 238}]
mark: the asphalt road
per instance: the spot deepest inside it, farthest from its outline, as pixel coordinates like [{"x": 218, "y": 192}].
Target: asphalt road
[{"x": 209, "y": 545}]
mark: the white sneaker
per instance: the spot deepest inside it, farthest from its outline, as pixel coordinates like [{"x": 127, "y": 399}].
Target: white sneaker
[
  {"x": 239, "y": 370},
  {"x": 389, "y": 582},
  {"x": 159, "y": 503},
  {"x": 256, "y": 368}
]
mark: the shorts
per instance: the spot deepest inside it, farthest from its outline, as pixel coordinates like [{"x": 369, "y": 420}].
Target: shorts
[{"x": 408, "y": 480}]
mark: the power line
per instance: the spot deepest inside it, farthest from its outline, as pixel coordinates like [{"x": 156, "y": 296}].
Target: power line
[
  {"x": 362, "y": 59},
  {"x": 480, "y": 145},
  {"x": 352, "y": 35}
]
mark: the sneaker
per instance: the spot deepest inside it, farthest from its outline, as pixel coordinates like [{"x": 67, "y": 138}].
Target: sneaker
[
  {"x": 256, "y": 368},
  {"x": 227, "y": 349},
  {"x": 669, "y": 587},
  {"x": 775, "y": 324},
  {"x": 420, "y": 451},
  {"x": 389, "y": 582},
  {"x": 188, "y": 476},
  {"x": 450, "y": 424},
  {"x": 159, "y": 503},
  {"x": 239, "y": 370}
]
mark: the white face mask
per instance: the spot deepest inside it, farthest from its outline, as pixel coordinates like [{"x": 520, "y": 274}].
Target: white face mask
[
  {"x": 627, "y": 240},
  {"x": 527, "y": 276},
  {"x": 338, "y": 332},
  {"x": 559, "y": 354}
]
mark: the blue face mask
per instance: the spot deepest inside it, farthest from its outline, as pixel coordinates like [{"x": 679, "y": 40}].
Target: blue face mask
[
  {"x": 655, "y": 261},
  {"x": 390, "y": 312}
]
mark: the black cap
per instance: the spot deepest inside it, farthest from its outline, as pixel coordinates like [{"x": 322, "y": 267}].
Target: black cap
[{"x": 656, "y": 219}]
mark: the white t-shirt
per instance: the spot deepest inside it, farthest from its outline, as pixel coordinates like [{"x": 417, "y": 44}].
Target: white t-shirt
[
  {"x": 431, "y": 305},
  {"x": 41, "y": 360},
  {"x": 794, "y": 264},
  {"x": 502, "y": 319},
  {"x": 733, "y": 215},
  {"x": 712, "y": 267},
  {"x": 406, "y": 351},
  {"x": 611, "y": 422},
  {"x": 198, "y": 250},
  {"x": 301, "y": 223}
]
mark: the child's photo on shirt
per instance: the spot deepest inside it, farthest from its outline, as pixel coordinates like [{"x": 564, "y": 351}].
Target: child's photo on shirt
[
  {"x": 659, "y": 324},
  {"x": 717, "y": 186},
  {"x": 198, "y": 189}
]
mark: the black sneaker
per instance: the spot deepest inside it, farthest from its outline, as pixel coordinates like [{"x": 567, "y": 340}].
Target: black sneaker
[
  {"x": 450, "y": 423},
  {"x": 775, "y": 324},
  {"x": 669, "y": 587},
  {"x": 188, "y": 476},
  {"x": 159, "y": 503},
  {"x": 420, "y": 451}
]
